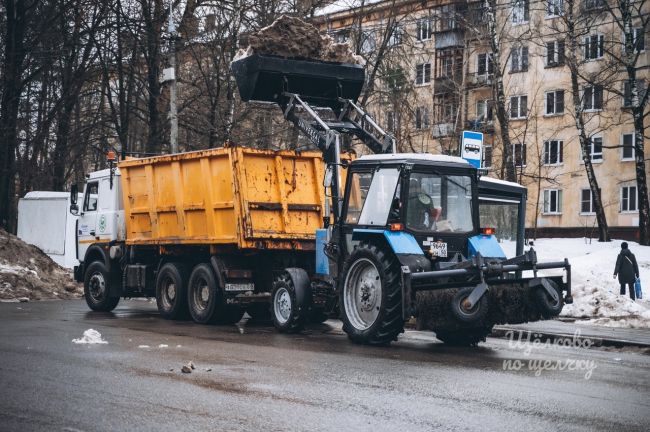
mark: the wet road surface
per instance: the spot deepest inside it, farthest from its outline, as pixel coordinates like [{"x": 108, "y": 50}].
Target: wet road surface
[{"x": 249, "y": 378}]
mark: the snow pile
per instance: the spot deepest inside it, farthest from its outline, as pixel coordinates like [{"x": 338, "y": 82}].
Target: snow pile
[
  {"x": 595, "y": 292},
  {"x": 26, "y": 271},
  {"x": 292, "y": 37},
  {"x": 90, "y": 337}
]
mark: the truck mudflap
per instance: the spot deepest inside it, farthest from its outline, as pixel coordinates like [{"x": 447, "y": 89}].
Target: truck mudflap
[{"x": 511, "y": 298}]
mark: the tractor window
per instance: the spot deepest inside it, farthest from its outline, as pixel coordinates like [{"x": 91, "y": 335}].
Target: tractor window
[
  {"x": 359, "y": 185},
  {"x": 90, "y": 199},
  {"x": 380, "y": 197},
  {"x": 439, "y": 203}
]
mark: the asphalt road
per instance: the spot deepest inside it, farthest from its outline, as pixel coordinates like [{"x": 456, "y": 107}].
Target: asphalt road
[{"x": 262, "y": 380}]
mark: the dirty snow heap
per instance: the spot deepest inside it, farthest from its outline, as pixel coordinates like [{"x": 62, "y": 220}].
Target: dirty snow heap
[
  {"x": 27, "y": 272},
  {"x": 291, "y": 37}
]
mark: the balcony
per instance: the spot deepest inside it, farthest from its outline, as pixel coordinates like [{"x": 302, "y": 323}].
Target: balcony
[
  {"x": 442, "y": 130},
  {"x": 481, "y": 125},
  {"x": 474, "y": 80}
]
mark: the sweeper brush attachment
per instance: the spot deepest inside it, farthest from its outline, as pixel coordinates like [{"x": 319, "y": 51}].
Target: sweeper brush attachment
[{"x": 268, "y": 79}]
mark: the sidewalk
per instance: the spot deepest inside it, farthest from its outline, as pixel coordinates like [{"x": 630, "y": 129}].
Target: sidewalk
[{"x": 553, "y": 329}]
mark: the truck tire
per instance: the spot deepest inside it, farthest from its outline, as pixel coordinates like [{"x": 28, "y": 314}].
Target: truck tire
[
  {"x": 171, "y": 291},
  {"x": 464, "y": 337},
  {"x": 203, "y": 295},
  {"x": 473, "y": 315},
  {"x": 286, "y": 314},
  {"x": 96, "y": 288},
  {"x": 371, "y": 296},
  {"x": 548, "y": 307}
]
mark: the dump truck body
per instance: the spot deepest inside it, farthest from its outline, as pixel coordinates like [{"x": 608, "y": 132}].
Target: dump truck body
[{"x": 242, "y": 197}]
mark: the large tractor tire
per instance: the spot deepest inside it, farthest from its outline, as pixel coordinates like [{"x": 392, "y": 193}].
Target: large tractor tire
[
  {"x": 96, "y": 288},
  {"x": 475, "y": 314},
  {"x": 463, "y": 337},
  {"x": 287, "y": 314},
  {"x": 548, "y": 307},
  {"x": 171, "y": 291},
  {"x": 371, "y": 296}
]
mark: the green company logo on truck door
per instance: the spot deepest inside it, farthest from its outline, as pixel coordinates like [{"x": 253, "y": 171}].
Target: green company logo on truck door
[{"x": 102, "y": 223}]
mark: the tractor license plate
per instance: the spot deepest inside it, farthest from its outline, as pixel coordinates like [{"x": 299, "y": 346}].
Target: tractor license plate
[
  {"x": 439, "y": 249},
  {"x": 240, "y": 286}
]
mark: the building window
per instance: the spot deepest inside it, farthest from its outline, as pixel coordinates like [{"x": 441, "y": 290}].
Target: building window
[
  {"x": 368, "y": 42},
  {"x": 554, "y": 8},
  {"x": 629, "y": 199},
  {"x": 552, "y": 201},
  {"x": 627, "y": 92},
  {"x": 342, "y": 36},
  {"x": 553, "y": 152},
  {"x": 422, "y": 118},
  {"x": 555, "y": 102},
  {"x": 423, "y": 73},
  {"x": 519, "y": 59},
  {"x": 423, "y": 31},
  {"x": 636, "y": 39},
  {"x": 487, "y": 156},
  {"x": 484, "y": 110},
  {"x": 593, "y": 98},
  {"x": 519, "y": 155},
  {"x": 586, "y": 201},
  {"x": 555, "y": 53},
  {"x": 628, "y": 147},
  {"x": 396, "y": 36},
  {"x": 594, "y": 47},
  {"x": 520, "y": 11},
  {"x": 485, "y": 64},
  {"x": 594, "y": 4},
  {"x": 595, "y": 148},
  {"x": 518, "y": 107}
]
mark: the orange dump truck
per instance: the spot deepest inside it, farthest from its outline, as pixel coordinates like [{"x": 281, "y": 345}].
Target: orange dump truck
[{"x": 203, "y": 231}]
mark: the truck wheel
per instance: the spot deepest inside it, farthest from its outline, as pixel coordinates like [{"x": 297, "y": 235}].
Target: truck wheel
[
  {"x": 285, "y": 313},
  {"x": 548, "y": 307},
  {"x": 171, "y": 291},
  {"x": 203, "y": 294},
  {"x": 259, "y": 312},
  {"x": 468, "y": 315},
  {"x": 96, "y": 288},
  {"x": 371, "y": 306},
  {"x": 466, "y": 337}
]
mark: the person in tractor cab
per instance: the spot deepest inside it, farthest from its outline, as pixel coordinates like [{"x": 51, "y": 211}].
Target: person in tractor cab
[{"x": 422, "y": 213}]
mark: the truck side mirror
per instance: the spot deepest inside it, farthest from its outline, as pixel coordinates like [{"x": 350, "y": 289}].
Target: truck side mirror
[{"x": 74, "y": 193}]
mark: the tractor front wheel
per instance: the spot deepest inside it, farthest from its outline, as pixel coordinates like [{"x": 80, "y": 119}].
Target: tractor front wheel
[{"x": 371, "y": 297}]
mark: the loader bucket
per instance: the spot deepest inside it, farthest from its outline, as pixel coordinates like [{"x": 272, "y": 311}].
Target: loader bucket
[{"x": 264, "y": 78}]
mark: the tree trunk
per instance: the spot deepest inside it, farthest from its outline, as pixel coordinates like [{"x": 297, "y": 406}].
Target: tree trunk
[{"x": 641, "y": 180}]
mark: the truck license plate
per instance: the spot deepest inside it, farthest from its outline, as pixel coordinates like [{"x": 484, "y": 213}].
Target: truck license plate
[
  {"x": 439, "y": 249},
  {"x": 240, "y": 286}
]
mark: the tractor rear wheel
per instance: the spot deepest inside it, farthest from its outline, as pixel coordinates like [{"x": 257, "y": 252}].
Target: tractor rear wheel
[
  {"x": 371, "y": 296},
  {"x": 464, "y": 337}
]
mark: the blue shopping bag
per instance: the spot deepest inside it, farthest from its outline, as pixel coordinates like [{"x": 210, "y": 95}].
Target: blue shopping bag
[{"x": 637, "y": 288}]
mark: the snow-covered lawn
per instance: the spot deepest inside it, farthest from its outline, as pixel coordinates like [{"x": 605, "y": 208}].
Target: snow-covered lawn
[{"x": 595, "y": 292}]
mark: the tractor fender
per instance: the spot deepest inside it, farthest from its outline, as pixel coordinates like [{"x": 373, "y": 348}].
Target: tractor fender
[
  {"x": 302, "y": 285},
  {"x": 405, "y": 247}
]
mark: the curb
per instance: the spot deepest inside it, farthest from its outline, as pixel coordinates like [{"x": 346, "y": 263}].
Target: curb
[{"x": 502, "y": 332}]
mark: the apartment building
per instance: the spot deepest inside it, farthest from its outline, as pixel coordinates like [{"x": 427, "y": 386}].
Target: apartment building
[{"x": 442, "y": 49}]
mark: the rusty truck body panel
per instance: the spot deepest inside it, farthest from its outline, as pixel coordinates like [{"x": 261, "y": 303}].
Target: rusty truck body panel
[{"x": 243, "y": 197}]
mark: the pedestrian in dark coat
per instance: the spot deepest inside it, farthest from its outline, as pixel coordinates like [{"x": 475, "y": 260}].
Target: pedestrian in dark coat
[{"x": 626, "y": 269}]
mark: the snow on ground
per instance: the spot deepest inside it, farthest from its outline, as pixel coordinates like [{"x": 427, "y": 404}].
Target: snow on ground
[
  {"x": 90, "y": 337},
  {"x": 595, "y": 292}
]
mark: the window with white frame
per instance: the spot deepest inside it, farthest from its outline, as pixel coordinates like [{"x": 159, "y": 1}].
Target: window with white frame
[
  {"x": 342, "y": 36},
  {"x": 368, "y": 42},
  {"x": 553, "y": 152},
  {"x": 396, "y": 36},
  {"x": 594, "y": 4},
  {"x": 484, "y": 110},
  {"x": 555, "y": 102},
  {"x": 586, "y": 201},
  {"x": 635, "y": 39},
  {"x": 487, "y": 156},
  {"x": 627, "y": 152},
  {"x": 555, "y": 53},
  {"x": 422, "y": 118},
  {"x": 423, "y": 30},
  {"x": 519, "y": 155},
  {"x": 423, "y": 73},
  {"x": 520, "y": 11},
  {"x": 552, "y": 201},
  {"x": 629, "y": 199},
  {"x": 485, "y": 64},
  {"x": 518, "y": 107},
  {"x": 595, "y": 148},
  {"x": 627, "y": 91},
  {"x": 554, "y": 8},
  {"x": 594, "y": 46},
  {"x": 592, "y": 97},
  {"x": 519, "y": 59}
]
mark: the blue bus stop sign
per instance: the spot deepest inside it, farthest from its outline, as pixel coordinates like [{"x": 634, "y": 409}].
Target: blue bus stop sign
[{"x": 472, "y": 147}]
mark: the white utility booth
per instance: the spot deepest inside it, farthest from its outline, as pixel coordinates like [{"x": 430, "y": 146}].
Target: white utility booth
[{"x": 44, "y": 220}]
